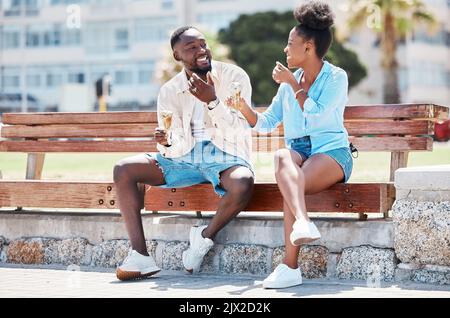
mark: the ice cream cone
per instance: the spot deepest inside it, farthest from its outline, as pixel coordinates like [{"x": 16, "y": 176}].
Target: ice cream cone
[{"x": 166, "y": 116}]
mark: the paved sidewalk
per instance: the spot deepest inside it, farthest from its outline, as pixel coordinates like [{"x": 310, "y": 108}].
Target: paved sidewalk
[{"x": 26, "y": 281}]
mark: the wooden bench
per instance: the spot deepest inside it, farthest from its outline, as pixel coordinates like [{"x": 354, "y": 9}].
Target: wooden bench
[{"x": 398, "y": 129}]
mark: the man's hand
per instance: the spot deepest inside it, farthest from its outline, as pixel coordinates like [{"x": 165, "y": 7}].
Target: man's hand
[
  {"x": 281, "y": 74},
  {"x": 204, "y": 91},
  {"x": 161, "y": 136}
]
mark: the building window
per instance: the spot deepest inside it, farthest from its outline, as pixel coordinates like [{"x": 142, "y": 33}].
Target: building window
[
  {"x": 167, "y": 4},
  {"x": 75, "y": 78},
  {"x": 54, "y": 80},
  {"x": 12, "y": 81},
  {"x": 33, "y": 80},
  {"x": 155, "y": 29},
  {"x": 123, "y": 78},
  {"x": 11, "y": 39},
  {"x": 121, "y": 40}
]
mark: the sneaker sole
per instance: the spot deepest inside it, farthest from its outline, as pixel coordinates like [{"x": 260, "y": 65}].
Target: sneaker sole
[
  {"x": 125, "y": 275},
  {"x": 304, "y": 240},
  {"x": 190, "y": 271},
  {"x": 286, "y": 285}
]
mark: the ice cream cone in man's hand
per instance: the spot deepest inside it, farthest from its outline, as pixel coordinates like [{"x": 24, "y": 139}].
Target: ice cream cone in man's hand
[
  {"x": 162, "y": 134},
  {"x": 166, "y": 116}
]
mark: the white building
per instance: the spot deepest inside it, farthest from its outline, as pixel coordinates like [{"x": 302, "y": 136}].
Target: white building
[{"x": 49, "y": 45}]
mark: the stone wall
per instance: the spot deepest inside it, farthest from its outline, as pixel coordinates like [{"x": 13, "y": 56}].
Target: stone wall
[
  {"x": 421, "y": 216},
  {"x": 247, "y": 246}
]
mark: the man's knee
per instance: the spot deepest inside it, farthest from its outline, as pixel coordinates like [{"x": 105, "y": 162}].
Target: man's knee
[{"x": 243, "y": 186}]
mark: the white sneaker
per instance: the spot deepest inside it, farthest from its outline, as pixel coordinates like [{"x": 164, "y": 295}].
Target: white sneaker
[
  {"x": 136, "y": 266},
  {"x": 304, "y": 232},
  {"x": 199, "y": 246},
  {"x": 282, "y": 277}
]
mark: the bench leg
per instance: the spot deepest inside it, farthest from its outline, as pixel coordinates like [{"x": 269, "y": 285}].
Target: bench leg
[
  {"x": 199, "y": 214},
  {"x": 35, "y": 164},
  {"x": 362, "y": 216}
]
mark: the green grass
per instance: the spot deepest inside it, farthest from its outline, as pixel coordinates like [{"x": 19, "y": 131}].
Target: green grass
[{"x": 370, "y": 166}]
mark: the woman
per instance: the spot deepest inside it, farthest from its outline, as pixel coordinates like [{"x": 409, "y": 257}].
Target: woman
[{"x": 310, "y": 102}]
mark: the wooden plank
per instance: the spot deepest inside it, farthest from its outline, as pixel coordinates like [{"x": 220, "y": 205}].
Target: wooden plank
[
  {"x": 79, "y": 131},
  {"x": 78, "y": 146},
  {"x": 35, "y": 164},
  {"x": 57, "y": 194},
  {"x": 417, "y": 111},
  {"x": 268, "y": 144},
  {"x": 374, "y": 127},
  {"x": 399, "y": 159},
  {"x": 78, "y": 118},
  {"x": 390, "y": 127},
  {"x": 429, "y": 111},
  {"x": 392, "y": 143},
  {"x": 391, "y": 111},
  {"x": 266, "y": 197},
  {"x": 261, "y": 144}
]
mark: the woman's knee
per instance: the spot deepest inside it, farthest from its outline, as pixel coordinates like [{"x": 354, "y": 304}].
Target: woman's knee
[
  {"x": 121, "y": 171},
  {"x": 283, "y": 157}
]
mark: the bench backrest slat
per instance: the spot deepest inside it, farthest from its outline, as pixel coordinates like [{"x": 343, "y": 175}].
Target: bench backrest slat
[
  {"x": 403, "y": 127},
  {"x": 78, "y": 118}
]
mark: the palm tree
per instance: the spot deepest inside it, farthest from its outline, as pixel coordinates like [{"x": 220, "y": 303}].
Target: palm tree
[{"x": 392, "y": 20}]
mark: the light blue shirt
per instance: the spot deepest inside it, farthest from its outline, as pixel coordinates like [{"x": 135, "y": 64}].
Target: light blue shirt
[{"x": 323, "y": 115}]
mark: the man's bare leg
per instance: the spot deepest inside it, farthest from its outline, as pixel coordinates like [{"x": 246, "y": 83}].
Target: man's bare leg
[
  {"x": 238, "y": 181},
  {"x": 129, "y": 175}
]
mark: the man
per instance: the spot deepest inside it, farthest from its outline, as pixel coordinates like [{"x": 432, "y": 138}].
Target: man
[{"x": 207, "y": 142}]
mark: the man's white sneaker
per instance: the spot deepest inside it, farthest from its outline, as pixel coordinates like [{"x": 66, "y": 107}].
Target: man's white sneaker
[
  {"x": 304, "y": 232},
  {"x": 199, "y": 246},
  {"x": 282, "y": 277},
  {"x": 136, "y": 266}
]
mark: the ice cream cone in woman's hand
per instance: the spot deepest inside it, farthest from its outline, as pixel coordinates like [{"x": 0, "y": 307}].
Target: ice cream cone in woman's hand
[{"x": 236, "y": 88}]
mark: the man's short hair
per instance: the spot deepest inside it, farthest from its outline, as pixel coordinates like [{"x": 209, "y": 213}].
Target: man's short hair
[{"x": 175, "y": 37}]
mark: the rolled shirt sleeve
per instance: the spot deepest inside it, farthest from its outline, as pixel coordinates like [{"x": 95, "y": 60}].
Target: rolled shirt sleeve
[{"x": 269, "y": 120}]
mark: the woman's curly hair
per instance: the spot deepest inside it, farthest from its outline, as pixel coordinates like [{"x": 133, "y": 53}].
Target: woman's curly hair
[{"x": 315, "y": 19}]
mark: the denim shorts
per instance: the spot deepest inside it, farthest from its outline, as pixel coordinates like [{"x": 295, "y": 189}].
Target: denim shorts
[
  {"x": 342, "y": 156},
  {"x": 203, "y": 164}
]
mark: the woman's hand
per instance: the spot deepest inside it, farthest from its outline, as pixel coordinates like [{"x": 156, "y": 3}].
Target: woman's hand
[
  {"x": 244, "y": 108},
  {"x": 281, "y": 74}
]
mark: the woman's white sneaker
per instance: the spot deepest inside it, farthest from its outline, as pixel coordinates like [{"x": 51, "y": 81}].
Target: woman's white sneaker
[
  {"x": 136, "y": 266},
  {"x": 304, "y": 232},
  {"x": 282, "y": 277}
]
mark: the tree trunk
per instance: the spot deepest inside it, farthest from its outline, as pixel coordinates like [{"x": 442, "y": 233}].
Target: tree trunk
[
  {"x": 391, "y": 93},
  {"x": 389, "y": 61}
]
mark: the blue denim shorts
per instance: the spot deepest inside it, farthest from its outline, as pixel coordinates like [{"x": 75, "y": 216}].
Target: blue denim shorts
[
  {"x": 342, "y": 156},
  {"x": 203, "y": 164}
]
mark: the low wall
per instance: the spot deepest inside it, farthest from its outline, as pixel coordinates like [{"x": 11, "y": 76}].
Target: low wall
[
  {"x": 413, "y": 245},
  {"x": 421, "y": 217},
  {"x": 348, "y": 249}
]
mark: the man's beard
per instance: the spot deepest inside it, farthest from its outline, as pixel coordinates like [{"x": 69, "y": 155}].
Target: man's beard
[{"x": 200, "y": 71}]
